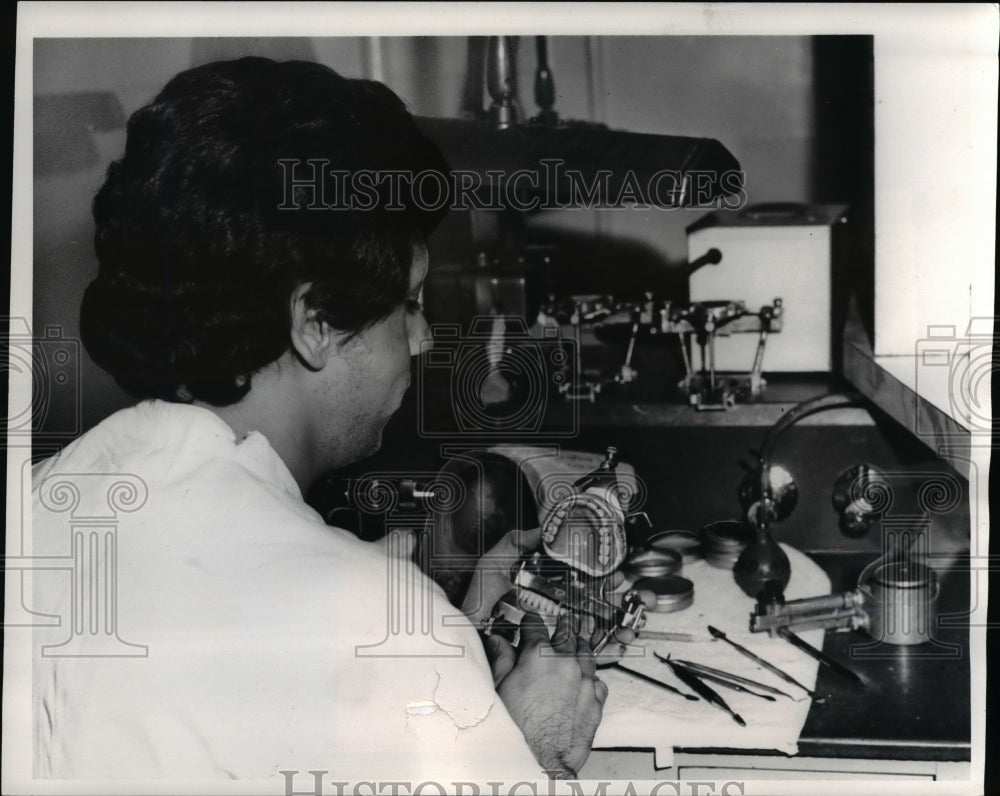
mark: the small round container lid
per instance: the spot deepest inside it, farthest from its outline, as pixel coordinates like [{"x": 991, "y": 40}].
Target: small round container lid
[
  {"x": 902, "y": 575},
  {"x": 673, "y": 593},
  {"x": 647, "y": 563},
  {"x": 686, "y": 543},
  {"x": 727, "y": 535}
]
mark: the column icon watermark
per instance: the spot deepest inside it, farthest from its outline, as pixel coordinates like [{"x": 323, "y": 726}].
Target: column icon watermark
[{"x": 93, "y": 502}]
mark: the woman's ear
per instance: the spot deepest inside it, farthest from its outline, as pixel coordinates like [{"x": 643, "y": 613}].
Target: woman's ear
[{"x": 313, "y": 340}]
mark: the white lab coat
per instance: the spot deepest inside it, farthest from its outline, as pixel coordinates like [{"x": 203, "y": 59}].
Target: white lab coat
[{"x": 254, "y": 638}]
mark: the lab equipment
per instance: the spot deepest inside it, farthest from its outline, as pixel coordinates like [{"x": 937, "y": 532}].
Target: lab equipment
[
  {"x": 686, "y": 543},
  {"x": 760, "y": 661},
  {"x": 730, "y": 684},
  {"x": 724, "y": 541},
  {"x": 895, "y": 602},
  {"x": 821, "y": 656},
  {"x": 690, "y": 679},
  {"x": 723, "y": 676},
  {"x": 666, "y": 635},
  {"x": 583, "y": 543},
  {"x": 673, "y": 593},
  {"x": 653, "y": 318},
  {"x": 798, "y": 247},
  {"x": 653, "y": 681},
  {"x": 763, "y": 567}
]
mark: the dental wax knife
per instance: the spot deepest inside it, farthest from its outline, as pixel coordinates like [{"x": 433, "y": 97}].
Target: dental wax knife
[
  {"x": 653, "y": 681},
  {"x": 822, "y": 657},
  {"x": 758, "y": 660},
  {"x": 692, "y": 681},
  {"x": 723, "y": 681},
  {"x": 702, "y": 670}
]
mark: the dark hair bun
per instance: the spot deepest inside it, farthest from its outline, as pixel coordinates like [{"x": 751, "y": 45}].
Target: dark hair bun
[{"x": 202, "y": 237}]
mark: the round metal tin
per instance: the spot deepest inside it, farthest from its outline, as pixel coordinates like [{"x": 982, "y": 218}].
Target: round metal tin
[
  {"x": 673, "y": 593},
  {"x": 687, "y": 543},
  {"x": 647, "y": 563},
  {"x": 724, "y": 541},
  {"x": 903, "y": 575}
]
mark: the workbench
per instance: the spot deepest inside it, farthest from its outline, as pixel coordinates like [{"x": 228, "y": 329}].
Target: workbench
[
  {"x": 915, "y": 719},
  {"x": 912, "y": 721}
]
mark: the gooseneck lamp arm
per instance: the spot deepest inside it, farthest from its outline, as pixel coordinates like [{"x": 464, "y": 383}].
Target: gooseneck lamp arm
[
  {"x": 763, "y": 570},
  {"x": 836, "y": 400}
]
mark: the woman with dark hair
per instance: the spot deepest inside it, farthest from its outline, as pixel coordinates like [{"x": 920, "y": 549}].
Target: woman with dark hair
[
  {"x": 266, "y": 319},
  {"x": 201, "y": 237}
]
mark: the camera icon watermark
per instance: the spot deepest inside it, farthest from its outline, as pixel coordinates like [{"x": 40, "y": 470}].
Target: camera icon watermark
[
  {"x": 48, "y": 364},
  {"x": 497, "y": 381},
  {"x": 963, "y": 366}
]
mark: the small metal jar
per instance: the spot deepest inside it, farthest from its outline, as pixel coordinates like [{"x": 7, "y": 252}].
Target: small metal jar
[{"x": 901, "y": 599}]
